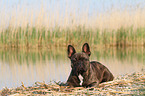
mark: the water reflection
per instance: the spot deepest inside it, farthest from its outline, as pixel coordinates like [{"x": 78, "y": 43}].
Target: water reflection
[{"x": 33, "y": 65}]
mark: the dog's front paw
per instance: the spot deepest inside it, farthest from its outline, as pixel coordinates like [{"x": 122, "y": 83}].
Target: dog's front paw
[
  {"x": 94, "y": 84},
  {"x": 61, "y": 83}
]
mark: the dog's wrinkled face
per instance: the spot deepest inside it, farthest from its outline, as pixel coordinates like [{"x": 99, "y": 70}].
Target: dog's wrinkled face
[{"x": 79, "y": 61}]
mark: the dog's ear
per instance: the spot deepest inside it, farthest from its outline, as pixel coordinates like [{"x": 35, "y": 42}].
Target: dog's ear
[
  {"x": 86, "y": 49},
  {"x": 71, "y": 50}
]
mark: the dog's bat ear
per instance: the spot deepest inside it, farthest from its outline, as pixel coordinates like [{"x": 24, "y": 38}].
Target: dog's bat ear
[
  {"x": 71, "y": 50},
  {"x": 86, "y": 49}
]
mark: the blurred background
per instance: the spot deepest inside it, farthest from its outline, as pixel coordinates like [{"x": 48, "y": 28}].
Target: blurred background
[{"x": 34, "y": 35}]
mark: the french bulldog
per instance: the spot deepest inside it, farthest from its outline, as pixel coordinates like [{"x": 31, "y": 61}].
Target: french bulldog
[{"x": 93, "y": 72}]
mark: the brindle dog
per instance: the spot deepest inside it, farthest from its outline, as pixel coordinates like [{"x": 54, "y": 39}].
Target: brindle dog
[{"x": 92, "y": 72}]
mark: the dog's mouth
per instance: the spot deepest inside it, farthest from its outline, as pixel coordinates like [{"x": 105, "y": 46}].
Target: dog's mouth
[
  {"x": 81, "y": 71},
  {"x": 77, "y": 71}
]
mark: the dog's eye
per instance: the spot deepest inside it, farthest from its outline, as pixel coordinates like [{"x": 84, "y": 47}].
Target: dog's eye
[
  {"x": 86, "y": 59},
  {"x": 72, "y": 65},
  {"x": 73, "y": 60}
]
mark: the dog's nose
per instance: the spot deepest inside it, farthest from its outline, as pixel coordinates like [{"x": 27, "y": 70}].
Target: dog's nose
[{"x": 80, "y": 65}]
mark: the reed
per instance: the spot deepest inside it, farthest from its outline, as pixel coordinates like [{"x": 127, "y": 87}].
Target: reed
[
  {"x": 31, "y": 29},
  {"x": 45, "y": 38}
]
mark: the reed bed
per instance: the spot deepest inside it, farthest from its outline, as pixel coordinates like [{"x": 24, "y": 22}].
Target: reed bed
[
  {"x": 128, "y": 84},
  {"x": 28, "y": 28},
  {"x": 42, "y": 38}
]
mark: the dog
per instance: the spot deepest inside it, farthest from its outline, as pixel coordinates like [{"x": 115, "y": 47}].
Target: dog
[{"x": 92, "y": 72}]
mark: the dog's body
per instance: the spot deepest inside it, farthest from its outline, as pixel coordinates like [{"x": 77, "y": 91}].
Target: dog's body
[{"x": 93, "y": 72}]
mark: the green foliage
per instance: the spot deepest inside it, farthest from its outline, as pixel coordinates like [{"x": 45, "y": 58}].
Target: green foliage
[{"x": 41, "y": 37}]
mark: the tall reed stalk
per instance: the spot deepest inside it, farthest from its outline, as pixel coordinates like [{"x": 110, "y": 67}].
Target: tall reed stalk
[{"x": 28, "y": 28}]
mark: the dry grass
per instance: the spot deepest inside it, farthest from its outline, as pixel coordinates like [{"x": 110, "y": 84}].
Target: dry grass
[
  {"x": 128, "y": 84},
  {"x": 22, "y": 27},
  {"x": 112, "y": 19}
]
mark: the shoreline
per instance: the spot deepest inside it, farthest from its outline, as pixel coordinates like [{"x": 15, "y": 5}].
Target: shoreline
[{"x": 127, "y": 84}]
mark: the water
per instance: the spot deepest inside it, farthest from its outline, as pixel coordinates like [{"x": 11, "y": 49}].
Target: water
[{"x": 29, "y": 66}]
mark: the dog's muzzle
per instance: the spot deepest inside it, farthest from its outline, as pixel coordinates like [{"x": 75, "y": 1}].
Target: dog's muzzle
[{"x": 81, "y": 68}]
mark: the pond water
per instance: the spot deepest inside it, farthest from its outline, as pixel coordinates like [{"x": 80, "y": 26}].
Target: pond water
[{"x": 31, "y": 65}]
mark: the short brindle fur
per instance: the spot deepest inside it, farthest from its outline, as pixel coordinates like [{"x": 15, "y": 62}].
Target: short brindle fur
[{"x": 92, "y": 72}]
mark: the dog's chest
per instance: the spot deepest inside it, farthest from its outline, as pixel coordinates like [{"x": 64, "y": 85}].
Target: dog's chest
[{"x": 81, "y": 79}]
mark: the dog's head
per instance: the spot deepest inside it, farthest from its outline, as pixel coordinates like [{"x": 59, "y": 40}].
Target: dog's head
[{"x": 79, "y": 61}]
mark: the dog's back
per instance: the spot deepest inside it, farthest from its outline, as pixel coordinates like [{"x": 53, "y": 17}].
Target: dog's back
[
  {"x": 103, "y": 74},
  {"x": 96, "y": 74}
]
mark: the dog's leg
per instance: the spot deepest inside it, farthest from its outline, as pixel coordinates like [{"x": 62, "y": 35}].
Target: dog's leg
[
  {"x": 73, "y": 80},
  {"x": 94, "y": 84},
  {"x": 107, "y": 76}
]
